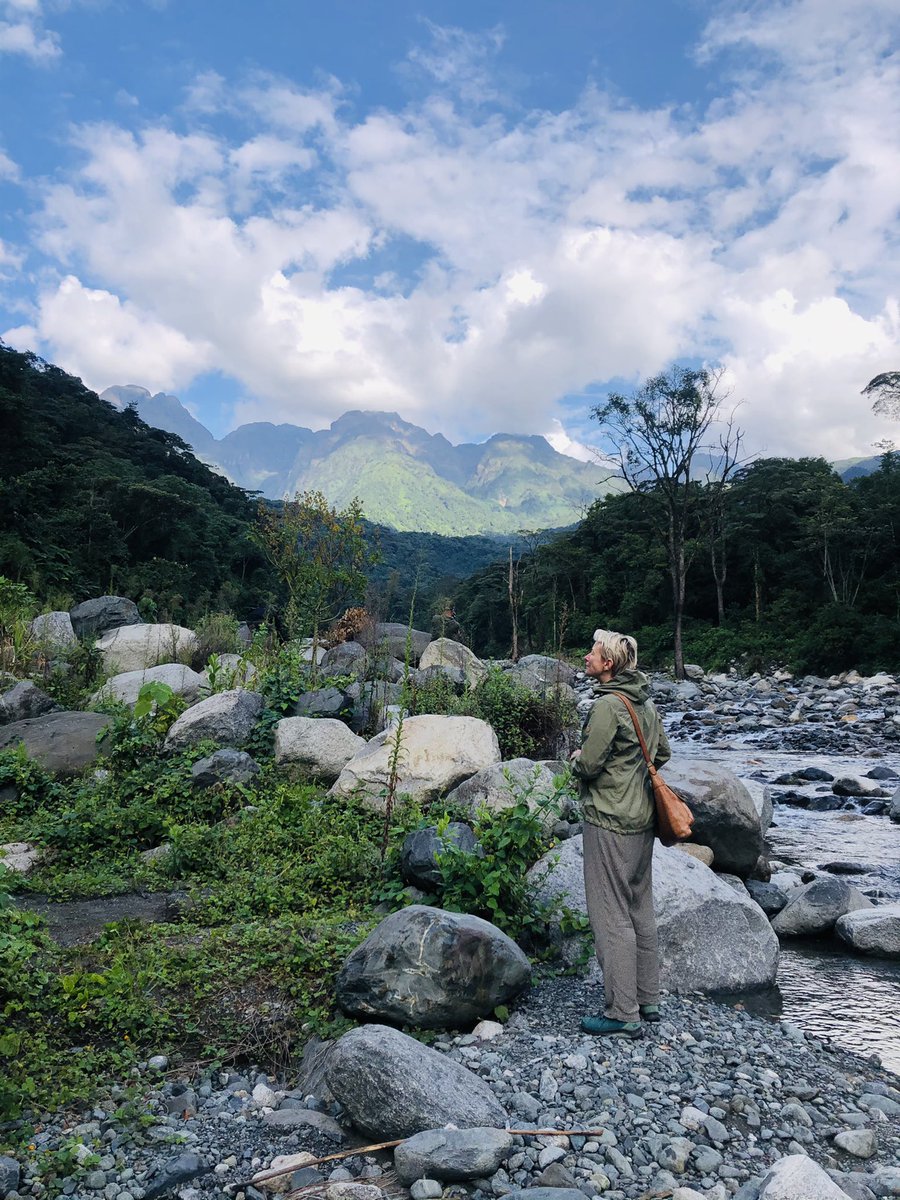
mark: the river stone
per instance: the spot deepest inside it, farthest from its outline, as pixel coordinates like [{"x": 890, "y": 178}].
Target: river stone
[
  {"x": 23, "y": 701},
  {"x": 323, "y": 745},
  {"x": 451, "y": 1154},
  {"x": 432, "y": 969},
  {"x": 226, "y": 717},
  {"x": 861, "y": 1143},
  {"x": 725, "y": 816},
  {"x": 852, "y": 785},
  {"x": 544, "y": 1193},
  {"x": 761, "y": 795},
  {"x": 175, "y": 1171},
  {"x": 798, "y": 1177},
  {"x": 224, "y": 766},
  {"x": 502, "y": 784},
  {"x": 93, "y": 618},
  {"x": 392, "y": 1086},
  {"x": 711, "y": 937},
  {"x": 701, "y": 853},
  {"x": 64, "y": 743},
  {"x": 436, "y": 753},
  {"x": 874, "y": 931},
  {"x": 770, "y": 898},
  {"x": 815, "y": 907},
  {"x": 126, "y": 687},
  {"x": 137, "y": 647},
  {"x": 53, "y": 631},
  {"x": 894, "y": 810},
  {"x": 388, "y": 639},
  {"x": 418, "y": 857},
  {"x": 445, "y": 652}
]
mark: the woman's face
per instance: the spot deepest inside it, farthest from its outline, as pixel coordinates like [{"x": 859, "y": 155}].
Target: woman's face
[{"x": 597, "y": 665}]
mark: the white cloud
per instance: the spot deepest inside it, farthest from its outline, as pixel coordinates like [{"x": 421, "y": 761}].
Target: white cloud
[
  {"x": 9, "y": 170},
  {"x": 511, "y": 261},
  {"x": 22, "y": 31}
]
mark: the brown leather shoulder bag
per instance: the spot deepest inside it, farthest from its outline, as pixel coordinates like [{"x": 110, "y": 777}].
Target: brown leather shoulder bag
[{"x": 674, "y": 819}]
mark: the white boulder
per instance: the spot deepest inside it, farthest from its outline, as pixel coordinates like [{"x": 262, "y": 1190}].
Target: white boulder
[
  {"x": 126, "y": 687},
  {"x": 798, "y": 1177},
  {"x": 435, "y": 754},
  {"x": 137, "y": 647},
  {"x": 444, "y": 652},
  {"x": 874, "y": 931},
  {"x": 322, "y": 744},
  {"x": 53, "y": 630}
]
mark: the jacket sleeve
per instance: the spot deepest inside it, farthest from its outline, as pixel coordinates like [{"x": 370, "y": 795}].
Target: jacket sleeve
[
  {"x": 663, "y": 750},
  {"x": 601, "y": 732}
]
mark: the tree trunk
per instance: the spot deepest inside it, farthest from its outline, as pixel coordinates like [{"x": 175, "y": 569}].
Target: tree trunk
[
  {"x": 678, "y": 572},
  {"x": 514, "y": 653}
]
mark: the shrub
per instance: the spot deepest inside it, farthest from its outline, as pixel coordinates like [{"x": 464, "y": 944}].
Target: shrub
[{"x": 217, "y": 633}]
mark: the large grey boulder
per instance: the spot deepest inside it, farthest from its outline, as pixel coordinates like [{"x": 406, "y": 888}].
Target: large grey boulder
[
  {"x": 391, "y": 1086},
  {"x": 53, "y": 631},
  {"x": 226, "y": 766},
  {"x": 432, "y": 969},
  {"x": 388, "y": 638},
  {"x": 813, "y": 909},
  {"x": 421, "y": 848},
  {"x": 24, "y": 700},
  {"x": 322, "y": 745},
  {"x": 347, "y": 658},
  {"x": 761, "y": 795},
  {"x": 62, "y": 742},
  {"x": 227, "y": 718},
  {"x": 321, "y": 702},
  {"x": 126, "y": 687},
  {"x": 435, "y": 754},
  {"x": 725, "y": 817},
  {"x": 501, "y": 785},
  {"x": 711, "y": 937},
  {"x": 452, "y": 1154},
  {"x": 874, "y": 931},
  {"x": 548, "y": 671},
  {"x": 444, "y": 652},
  {"x": 371, "y": 703},
  {"x": 92, "y": 618},
  {"x": 137, "y": 647},
  {"x": 798, "y": 1177}
]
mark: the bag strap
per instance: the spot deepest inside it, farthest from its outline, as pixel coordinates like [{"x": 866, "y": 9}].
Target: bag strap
[{"x": 638, "y": 731}]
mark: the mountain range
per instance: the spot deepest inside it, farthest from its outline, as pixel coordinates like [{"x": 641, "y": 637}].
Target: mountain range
[{"x": 405, "y": 477}]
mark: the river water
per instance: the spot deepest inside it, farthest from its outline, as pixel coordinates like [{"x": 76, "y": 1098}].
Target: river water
[{"x": 823, "y": 986}]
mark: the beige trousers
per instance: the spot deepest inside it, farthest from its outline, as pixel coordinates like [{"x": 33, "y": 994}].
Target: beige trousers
[{"x": 618, "y": 883}]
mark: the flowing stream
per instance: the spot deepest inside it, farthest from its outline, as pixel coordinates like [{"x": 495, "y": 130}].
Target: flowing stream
[{"x": 823, "y": 986}]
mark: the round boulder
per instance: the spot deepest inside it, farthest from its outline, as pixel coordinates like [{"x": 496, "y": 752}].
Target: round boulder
[
  {"x": 725, "y": 817},
  {"x": 444, "y": 652},
  {"x": 435, "y": 754},
  {"x": 53, "y": 631},
  {"x": 389, "y": 638},
  {"x": 127, "y": 687},
  {"x": 137, "y": 647},
  {"x": 224, "y": 767},
  {"x": 391, "y": 1086},
  {"x": 432, "y": 969},
  {"x": 23, "y": 700},
  {"x": 813, "y": 909},
  {"x": 503, "y": 784},
  {"x": 323, "y": 745},
  {"x": 227, "y": 718},
  {"x": 874, "y": 931},
  {"x": 452, "y": 1154},
  {"x": 92, "y": 618}
]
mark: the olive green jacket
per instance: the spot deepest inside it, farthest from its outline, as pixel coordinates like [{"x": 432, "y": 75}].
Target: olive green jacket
[{"x": 616, "y": 793}]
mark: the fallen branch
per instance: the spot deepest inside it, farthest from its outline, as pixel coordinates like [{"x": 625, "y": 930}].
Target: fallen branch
[{"x": 315, "y": 1162}]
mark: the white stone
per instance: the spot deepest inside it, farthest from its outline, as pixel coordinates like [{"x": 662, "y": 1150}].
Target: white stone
[
  {"x": 136, "y": 647},
  {"x": 435, "y": 754},
  {"x": 486, "y": 1031},
  {"x": 444, "y": 652},
  {"x": 503, "y": 784},
  {"x": 126, "y": 687},
  {"x": 872, "y": 930},
  {"x": 860, "y": 1143},
  {"x": 322, "y": 744},
  {"x": 19, "y": 856},
  {"x": 797, "y": 1177},
  {"x": 54, "y": 631},
  {"x": 263, "y": 1096},
  {"x": 285, "y": 1164}
]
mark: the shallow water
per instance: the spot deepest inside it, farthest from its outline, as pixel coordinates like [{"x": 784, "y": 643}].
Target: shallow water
[{"x": 823, "y": 987}]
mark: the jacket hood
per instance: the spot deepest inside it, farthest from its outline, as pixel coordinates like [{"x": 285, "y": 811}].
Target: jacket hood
[{"x": 634, "y": 684}]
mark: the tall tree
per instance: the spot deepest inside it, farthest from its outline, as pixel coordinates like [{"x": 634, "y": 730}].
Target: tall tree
[
  {"x": 885, "y": 392},
  {"x": 663, "y": 432}
]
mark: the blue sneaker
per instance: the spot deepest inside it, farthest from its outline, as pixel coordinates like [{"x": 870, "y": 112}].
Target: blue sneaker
[{"x": 608, "y": 1027}]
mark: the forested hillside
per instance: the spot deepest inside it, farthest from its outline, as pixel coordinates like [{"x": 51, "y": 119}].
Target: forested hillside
[
  {"x": 93, "y": 500},
  {"x": 812, "y": 574}
]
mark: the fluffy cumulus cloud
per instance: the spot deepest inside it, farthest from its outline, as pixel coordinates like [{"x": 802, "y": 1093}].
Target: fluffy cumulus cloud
[
  {"x": 469, "y": 267},
  {"x": 22, "y": 31}
]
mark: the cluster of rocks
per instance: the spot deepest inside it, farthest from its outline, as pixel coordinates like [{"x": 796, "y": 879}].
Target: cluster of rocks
[
  {"x": 712, "y": 1103},
  {"x": 844, "y": 713}
]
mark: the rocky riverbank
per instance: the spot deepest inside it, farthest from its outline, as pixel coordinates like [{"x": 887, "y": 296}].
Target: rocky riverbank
[{"x": 709, "y": 1099}]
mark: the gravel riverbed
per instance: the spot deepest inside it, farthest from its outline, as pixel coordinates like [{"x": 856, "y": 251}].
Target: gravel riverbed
[{"x": 709, "y": 1097}]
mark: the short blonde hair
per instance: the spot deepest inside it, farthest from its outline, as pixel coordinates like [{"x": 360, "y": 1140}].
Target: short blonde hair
[{"x": 620, "y": 648}]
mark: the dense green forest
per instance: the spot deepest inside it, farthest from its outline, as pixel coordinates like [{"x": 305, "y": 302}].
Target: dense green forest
[{"x": 812, "y": 574}]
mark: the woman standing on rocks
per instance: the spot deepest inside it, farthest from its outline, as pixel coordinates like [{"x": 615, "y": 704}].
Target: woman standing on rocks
[{"x": 619, "y": 818}]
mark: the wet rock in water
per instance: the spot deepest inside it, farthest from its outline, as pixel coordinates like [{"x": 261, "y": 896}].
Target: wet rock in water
[
  {"x": 827, "y": 804},
  {"x": 894, "y": 811},
  {"x": 392, "y": 1086},
  {"x": 770, "y": 898},
  {"x": 882, "y": 773},
  {"x": 815, "y": 775},
  {"x": 841, "y": 867},
  {"x": 432, "y": 969},
  {"x": 815, "y": 908},
  {"x": 725, "y": 816},
  {"x": 874, "y": 931},
  {"x": 451, "y": 1154},
  {"x": 851, "y": 785}
]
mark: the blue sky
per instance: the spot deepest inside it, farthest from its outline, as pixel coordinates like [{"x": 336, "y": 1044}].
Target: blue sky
[{"x": 481, "y": 216}]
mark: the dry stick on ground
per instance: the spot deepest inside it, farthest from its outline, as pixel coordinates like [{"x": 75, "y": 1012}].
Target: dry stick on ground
[{"x": 314, "y": 1162}]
